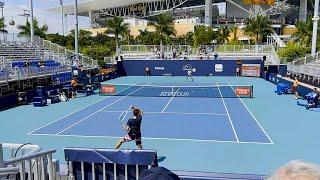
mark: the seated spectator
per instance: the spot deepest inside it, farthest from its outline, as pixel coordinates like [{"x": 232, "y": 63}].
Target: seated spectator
[
  {"x": 215, "y": 56},
  {"x": 297, "y": 170},
  {"x": 63, "y": 97},
  {"x": 317, "y": 98},
  {"x": 41, "y": 63},
  {"x": 27, "y": 63}
]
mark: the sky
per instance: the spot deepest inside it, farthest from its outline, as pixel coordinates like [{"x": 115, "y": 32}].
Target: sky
[{"x": 13, "y": 8}]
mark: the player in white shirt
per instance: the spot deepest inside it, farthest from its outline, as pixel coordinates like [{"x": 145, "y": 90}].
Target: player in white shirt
[{"x": 189, "y": 75}]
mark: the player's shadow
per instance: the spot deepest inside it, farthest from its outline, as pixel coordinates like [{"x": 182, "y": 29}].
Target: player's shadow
[{"x": 161, "y": 158}]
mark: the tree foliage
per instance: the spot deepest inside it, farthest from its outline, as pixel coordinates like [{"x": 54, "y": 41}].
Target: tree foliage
[
  {"x": 39, "y": 31},
  {"x": 303, "y": 35},
  {"x": 164, "y": 28},
  {"x": 259, "y": 27},
  {"x": 293, "y": 51},
  {"x": 117, "y": 27}
]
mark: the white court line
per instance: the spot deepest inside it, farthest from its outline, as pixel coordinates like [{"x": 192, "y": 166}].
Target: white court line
[
  {"x": 183, "y": 113},
  {"x": 225, "y": 106},
  {"x": 77, "y": 111},
  {"x": 170, "y": 100},
  {"x": 99, "y": 110},
  {"x": 254, "y": 118},
  {"x": 149, "y": 138}
]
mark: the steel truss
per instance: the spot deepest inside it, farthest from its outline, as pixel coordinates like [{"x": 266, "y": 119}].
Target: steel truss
[{"x": 143, "y": 10}]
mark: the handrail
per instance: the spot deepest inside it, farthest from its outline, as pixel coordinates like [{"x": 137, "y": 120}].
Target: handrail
[
  {"x": 30, "y": 156},
  {"x": 9, "y": 170},
  {"x": 202, "y": 52},
  {"x": 60, "y": 50}
]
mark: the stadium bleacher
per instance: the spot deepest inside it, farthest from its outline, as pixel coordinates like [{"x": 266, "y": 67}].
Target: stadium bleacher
[{"x": 15, "y": 52}]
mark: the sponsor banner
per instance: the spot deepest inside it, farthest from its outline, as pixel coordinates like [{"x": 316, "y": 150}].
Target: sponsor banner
[
  {"x": 108, "y": 89},
  {"x": 251, "y": 70},
  {"x": 218, "y": 68},
  {"x": 159, "y": 68},
  {"x": 176, "y": 94},
  {"x": 243, "y": 91},
  {"x": 186, "y": 67},
  {"x": 258, "y": 2}
]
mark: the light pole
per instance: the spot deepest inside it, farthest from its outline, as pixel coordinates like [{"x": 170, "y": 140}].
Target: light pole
[
  {"x": 31, "y": 22},
  {"x": 1, "y": 6},
  {"x": 62, "y": 16},
  {"x": 76, "y": 29},
  {"x": 315, "y": 28}
]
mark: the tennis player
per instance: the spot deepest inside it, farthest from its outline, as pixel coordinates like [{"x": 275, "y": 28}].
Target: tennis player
[
  {"x": 133, "y": 127},
  {"x": 189, "y": 75}
]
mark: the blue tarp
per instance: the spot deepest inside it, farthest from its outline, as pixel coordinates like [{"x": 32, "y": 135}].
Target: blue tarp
[
  {"x": 142, "y": 158},
  {"x": 130, "y": 157}
]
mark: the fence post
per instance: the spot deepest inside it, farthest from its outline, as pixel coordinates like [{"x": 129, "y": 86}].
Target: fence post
[
  {"x": 1, "y": 156},
  {"x": 305, "y": 59}
]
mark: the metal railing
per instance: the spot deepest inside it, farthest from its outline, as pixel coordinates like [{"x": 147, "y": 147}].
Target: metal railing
[
  {"x": 65, "y": 53},
  {"x": 18, "y": 155},
  {"x": 36, "y": 165},
  {"x": 31, "y": 72},
  {"x": 202, "y": 52},
  {"x": 304, "y": 60},
  {"x": 308, "y": 65},
  {"x": 278, "y": 40}
]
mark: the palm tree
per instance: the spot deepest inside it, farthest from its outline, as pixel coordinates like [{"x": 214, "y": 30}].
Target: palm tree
[
  {"x": 223, "y": 35},
  {"x": 39, "y": 31},
  {"x": 203, "y": 36},
  {"x": 234, "y": 30},
  {"x": 2, "y": 25},
  {"x": 164, "y": 28},
  {"x": 260, "y": 27},
  {"x": 143, "y": 36},
  {"x": 117, "y": 27},
  {"x": 146, "y": 37},
  {"x": 304, "y": 33}
]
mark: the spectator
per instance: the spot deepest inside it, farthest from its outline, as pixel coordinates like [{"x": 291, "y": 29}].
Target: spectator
[
  {"x": 63, "y": 97},
  {"x": 317, "y": 97},
  {"x": 27, "y": 63},
  {"x": 296, "y": 170},
  {"x": 41, "y": 63},
  {"x": 215, "y": 56},
  {"x": 174, "y": 55},
  {"x": 75, "y": 64}
]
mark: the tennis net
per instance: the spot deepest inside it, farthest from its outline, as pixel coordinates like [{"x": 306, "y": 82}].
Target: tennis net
[{"x": 210, "y": 91}]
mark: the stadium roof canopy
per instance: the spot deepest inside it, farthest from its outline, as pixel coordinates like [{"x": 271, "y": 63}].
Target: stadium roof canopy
[{"x": 90, "y": 5}]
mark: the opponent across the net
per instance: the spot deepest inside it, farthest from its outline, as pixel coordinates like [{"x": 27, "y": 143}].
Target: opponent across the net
[{"x": 207, "y": 91}]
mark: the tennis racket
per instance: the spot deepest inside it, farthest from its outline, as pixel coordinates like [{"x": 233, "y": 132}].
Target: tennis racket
[{"x": 123, "y": 115}]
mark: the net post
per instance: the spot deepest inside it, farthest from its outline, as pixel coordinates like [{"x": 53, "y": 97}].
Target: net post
[
  {"x": 172, "y": 90},
  {"x": 1, "y": 156},
  {"x": 251, "y": 95}
]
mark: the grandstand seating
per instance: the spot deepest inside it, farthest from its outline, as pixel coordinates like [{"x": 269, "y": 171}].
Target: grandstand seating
[
  {"x": 35, "y": 63},
  {"x": 308, "y": 73},
  {"x": 16, "y": 52}
]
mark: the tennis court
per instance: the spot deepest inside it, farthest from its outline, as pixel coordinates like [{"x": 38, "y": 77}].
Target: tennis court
[
  {"x": 190, "y": 133},
  {"x": 186, "y": 111}
]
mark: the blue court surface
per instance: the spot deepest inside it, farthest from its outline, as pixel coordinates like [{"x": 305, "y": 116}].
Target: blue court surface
[{"x": 221, "y": 134}]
